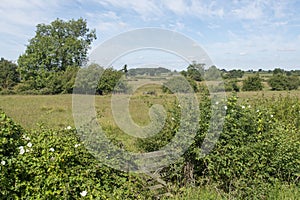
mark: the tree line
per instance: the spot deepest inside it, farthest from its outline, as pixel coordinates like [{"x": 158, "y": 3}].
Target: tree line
[{"x": 58, "y": 50}]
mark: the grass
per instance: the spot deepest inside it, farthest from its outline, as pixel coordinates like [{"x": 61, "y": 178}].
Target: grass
[{"x": 55, "y": 111}]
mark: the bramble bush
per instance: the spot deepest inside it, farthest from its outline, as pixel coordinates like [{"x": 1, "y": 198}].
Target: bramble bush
[
  {"x": 257, "y": 150},
  {"x": 256, "y": 155},
  {"x": 49, "y": 164}
]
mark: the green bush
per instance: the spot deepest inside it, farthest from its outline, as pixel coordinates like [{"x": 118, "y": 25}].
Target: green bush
[
  {"x": 252, "y": 83},
  {"x": 49, "y": 164},
  {"x": 282, "y": 82},
  {"x": 258, "y": 148}
]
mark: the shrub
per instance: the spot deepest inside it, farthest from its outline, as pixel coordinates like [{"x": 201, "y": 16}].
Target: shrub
[
  {"x": 252, "y": 83},
  {"x": 49, "y": 164},
  {"x": 282, "y": 82}
]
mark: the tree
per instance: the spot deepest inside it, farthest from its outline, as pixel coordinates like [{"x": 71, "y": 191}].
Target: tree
[
  {"x": 179, "y": 84},
  {"x": 278, "y": 71},
  {"x": 9, "y": 76},
  {"x": 111, "y": 81},
  {"x": 195, "y": 71},
  {"x": 234, "y": 74},
  {"x": 213, "y": 74},
  {"x": 54, "y": 48},
  {"x": 252, "y": 83},
  {"x": 280, "y": 81}
]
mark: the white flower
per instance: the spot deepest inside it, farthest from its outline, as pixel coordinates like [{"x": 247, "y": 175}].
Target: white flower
[
  {"x": 51, "y": 149},
  {"x": 272, "y": 115},
  {"x": 26, "y": 137},
  {"x": 217, "y": 103},
  {"x": 69, "y": 128},
  {"x": 22, "y": 150},
  {"x": 3, "y": 162},
  {"x": 29, "y": 144},
  {"x": 173, "y": 118},
  {"x": 257, "y": 111},
  {"x": 77, "y": 145},
  {"x": 179, "y": 106},
  {"x": 243, "y": 107},
  {"x": 225, "y": 107},
  {"x": 249, "y": 106},
  {"x": 83, "y": 193}
]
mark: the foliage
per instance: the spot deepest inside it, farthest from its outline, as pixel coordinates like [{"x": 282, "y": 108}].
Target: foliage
[
  {"x": 280, "y": 81},
  {"x": 213, "y": 74},
  {"x": 231, "y": 85},
  {"x": 111, "y": 81},
  {"x": 258, "y": 149},
  {"x": 180, "y": 84},
  {"x": 195, "y": 71},
  {"x": 278, "y": 71},
  {"x": 55, "y": 48},
  {"x": 252, "y": 83},
  {"x": 49, "y": 164},
  {"x": 9, "y": 76},
  {"x": 235, "y": 73}
]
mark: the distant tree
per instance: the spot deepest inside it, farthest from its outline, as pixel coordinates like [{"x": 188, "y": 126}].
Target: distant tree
[
  {"x": 278, "y": 71},
  {"x": 110, "y": 82},
  {"x": 281, "y": 81},
  {"x": 213, "y": 73},
  {"x": 195, "y": 71},
  {"x": 9, "y": 76},
  {"x": 54, "y": 48},
  {"x": 235, "y": 73},
  {"x": 252, "y": 83},
  {"x": 180, "y": 84}
]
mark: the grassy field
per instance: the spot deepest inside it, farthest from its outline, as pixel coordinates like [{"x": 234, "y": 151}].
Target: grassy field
[{"x": 55, "y": 111}]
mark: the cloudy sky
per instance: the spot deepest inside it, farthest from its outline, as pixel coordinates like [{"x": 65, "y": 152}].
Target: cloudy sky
[{"x": 242, "y": 34}]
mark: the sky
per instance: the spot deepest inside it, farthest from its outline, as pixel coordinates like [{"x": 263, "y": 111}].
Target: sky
[{"x": 254, "y": 34}]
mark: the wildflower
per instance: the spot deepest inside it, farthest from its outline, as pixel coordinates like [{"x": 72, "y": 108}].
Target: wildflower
[
  {"x": 272, "y": 115},
  {"x": 3, "y": 162},
  {"x": 179, "y": 106},
  {"x": 249, "y": 106},
  {"x": 243, "y": 107},
  {"x": 22, "y": 150},
  {"x": 68, "y": 127},
  {"x": 77, "y": 145},
  {"x": 51, "y": 149},
  {"x": 257, "y": 111},
  {"x": 29, "y": 144},
  {"x": 173, "y": 119},
  {"x": 26, "y": 137},
  {"x": 217, "y": 103},
  {"x": 83, "y": 193},
  {"x": 225, "y": 107}
]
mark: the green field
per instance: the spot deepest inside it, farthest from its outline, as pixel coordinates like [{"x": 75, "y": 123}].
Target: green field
[{"x": 54, "y": 112}]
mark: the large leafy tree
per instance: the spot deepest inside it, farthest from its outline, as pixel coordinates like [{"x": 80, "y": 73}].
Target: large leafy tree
[
  {"x": 8, "y": 74},
  {"x": 54, "y": 48}
]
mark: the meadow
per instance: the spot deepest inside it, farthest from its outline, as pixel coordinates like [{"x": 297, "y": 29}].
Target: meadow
[{"x": 47, "y": 118}]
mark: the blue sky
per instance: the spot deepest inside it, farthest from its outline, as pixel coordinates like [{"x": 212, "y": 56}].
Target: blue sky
[{"x": 235, "y": 34}]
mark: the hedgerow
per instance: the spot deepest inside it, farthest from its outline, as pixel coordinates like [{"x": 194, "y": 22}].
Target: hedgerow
[{"x": 51, "y": 164}]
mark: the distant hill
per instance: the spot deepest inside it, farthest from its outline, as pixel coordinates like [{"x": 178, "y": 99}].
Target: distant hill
[{"x": 148, "y": 71}]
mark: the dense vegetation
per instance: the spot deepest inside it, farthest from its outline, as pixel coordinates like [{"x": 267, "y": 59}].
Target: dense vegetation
[{"x": 255, "y": 157}]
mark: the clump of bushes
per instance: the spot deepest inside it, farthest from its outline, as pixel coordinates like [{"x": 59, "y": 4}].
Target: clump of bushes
[{"x": 49, "y": 164}]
